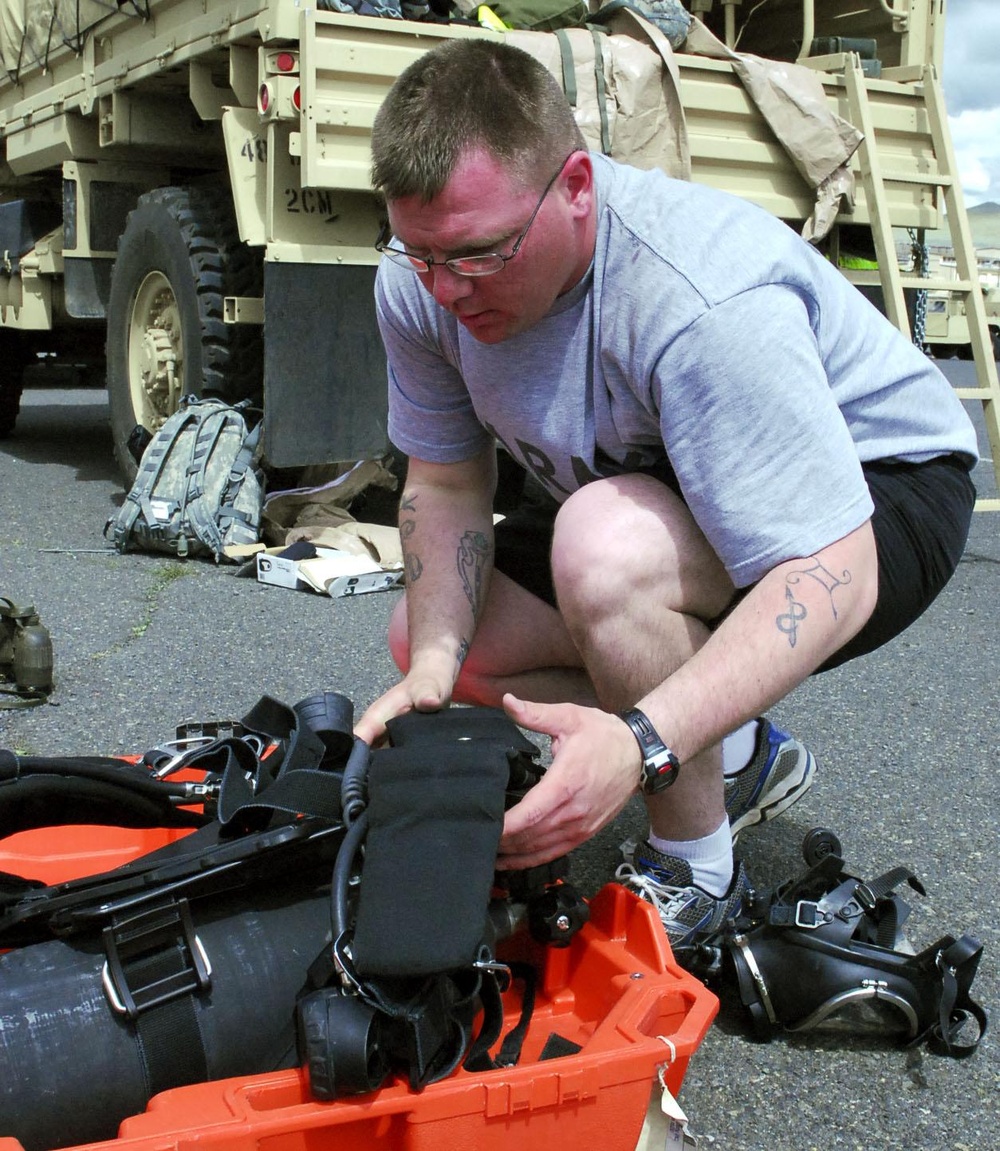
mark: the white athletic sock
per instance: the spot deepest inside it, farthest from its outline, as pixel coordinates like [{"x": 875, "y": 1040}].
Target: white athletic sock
[
  {"x": 711, "y": 857},
  {"x": 738, "y": 747}
]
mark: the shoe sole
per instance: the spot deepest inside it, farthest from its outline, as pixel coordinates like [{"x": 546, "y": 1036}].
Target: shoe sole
[{"x": 793, "y": 787}]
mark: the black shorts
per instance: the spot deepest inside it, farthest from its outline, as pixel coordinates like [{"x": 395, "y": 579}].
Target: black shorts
[{"x": 921, "y": 521}]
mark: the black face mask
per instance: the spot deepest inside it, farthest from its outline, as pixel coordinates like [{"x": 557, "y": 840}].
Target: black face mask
[{"x": 827, "y": 951}]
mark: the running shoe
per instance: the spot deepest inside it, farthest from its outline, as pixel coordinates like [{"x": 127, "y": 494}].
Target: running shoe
[
  {"x": 780, "y": 772},
  {"x": 690, "y": 916}
]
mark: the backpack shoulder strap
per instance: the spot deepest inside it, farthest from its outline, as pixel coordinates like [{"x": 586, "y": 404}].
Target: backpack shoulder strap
[
  {"x": 236, "y": 525},
  {"x": 154, "y": 459},
  {"x": 204, "y": 514}
]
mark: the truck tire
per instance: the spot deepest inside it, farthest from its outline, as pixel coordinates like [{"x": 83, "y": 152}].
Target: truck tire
[
  {"x": 178, "y": 257},
  {"x": 14, "y": 353}
]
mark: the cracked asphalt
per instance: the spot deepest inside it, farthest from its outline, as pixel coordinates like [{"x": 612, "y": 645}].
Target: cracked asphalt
[{"x": 907, "y": 742}]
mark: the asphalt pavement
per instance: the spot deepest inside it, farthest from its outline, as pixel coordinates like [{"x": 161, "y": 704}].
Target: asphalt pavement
[{"x": 907, "y": 742}]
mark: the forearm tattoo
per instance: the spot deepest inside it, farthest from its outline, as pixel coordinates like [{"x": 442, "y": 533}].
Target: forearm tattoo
[
  {"x": 463, "y": 652},
  {"x": 788, "y": 621},
  {"x": 413, "y": 567},
  {"x": 473, "y": 552}
]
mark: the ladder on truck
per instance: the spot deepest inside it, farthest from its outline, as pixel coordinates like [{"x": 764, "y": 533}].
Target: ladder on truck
[{"x": 891, "y": 278}]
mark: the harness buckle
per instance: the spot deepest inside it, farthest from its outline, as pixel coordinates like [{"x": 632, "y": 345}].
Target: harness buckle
[
  {"x": 494, "y": 967},
  {"x": 866, "y": 898},
  {"x": 153, "y": 957},
  {"x": 808, "y": 915}
]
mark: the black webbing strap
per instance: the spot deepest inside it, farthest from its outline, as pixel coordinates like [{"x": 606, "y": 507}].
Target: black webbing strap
[
  {"x": 155, "y": 966},
  {"x": 306, "y": 782},
  {"x": 876, "y": 900},
  {"x": 479, "y": 1058},
  {"x": 869, "y": 910},
  {"x": 957, "y": 962}
]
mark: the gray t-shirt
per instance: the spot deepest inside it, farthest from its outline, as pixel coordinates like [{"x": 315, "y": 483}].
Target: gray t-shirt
[{"x": 707, "y": 334}]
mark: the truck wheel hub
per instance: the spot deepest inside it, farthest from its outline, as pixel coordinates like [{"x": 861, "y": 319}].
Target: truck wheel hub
[{"x": 158, "y": 359}]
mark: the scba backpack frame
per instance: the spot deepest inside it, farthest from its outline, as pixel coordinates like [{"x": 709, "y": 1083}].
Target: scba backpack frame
[
  {"x": 307, "y": 920},
  {"x": 199, "y": 488}
]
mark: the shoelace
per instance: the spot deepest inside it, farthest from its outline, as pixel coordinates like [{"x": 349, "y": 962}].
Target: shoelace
[{"x": 669, "y": 901}]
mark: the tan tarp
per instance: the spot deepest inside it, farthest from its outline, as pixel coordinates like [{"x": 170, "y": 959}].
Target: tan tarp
[
  {"x": 322, "y": 501},
  {"x": 631, "y": 110},
  {"x": 32, "y": 30},
  {"x": 792, "y": 100},
  {"x": 643, "y": 122}
]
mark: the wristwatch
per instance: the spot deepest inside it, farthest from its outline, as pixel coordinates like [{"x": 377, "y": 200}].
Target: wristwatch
[{"x": 660, "y": 766}]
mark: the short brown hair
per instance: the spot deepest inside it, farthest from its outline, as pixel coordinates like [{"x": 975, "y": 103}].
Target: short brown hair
[{"x": 469, "y": 93}]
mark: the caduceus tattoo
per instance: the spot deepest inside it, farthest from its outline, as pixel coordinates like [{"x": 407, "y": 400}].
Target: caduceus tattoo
[
  {"x": 473, "y": 550},
  {"x": 789, "y": 621}
]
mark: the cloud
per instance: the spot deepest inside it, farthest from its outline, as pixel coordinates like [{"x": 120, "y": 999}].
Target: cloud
[
  {"x": 975, "y": 136},
  {"x": 971, "y": 50},
  {"x": 972, "y": 94}
]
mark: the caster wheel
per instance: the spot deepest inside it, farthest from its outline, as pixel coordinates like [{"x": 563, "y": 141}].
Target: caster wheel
[{"x": 819, "y": 843}]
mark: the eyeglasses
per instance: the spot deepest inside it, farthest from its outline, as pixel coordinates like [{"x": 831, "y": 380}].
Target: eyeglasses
[{"x": 487, "y": 264}]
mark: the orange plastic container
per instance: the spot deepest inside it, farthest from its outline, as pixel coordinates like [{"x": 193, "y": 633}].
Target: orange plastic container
[
  {"x": 615, "y": 992},
  {"x": 58, "y": 854}
]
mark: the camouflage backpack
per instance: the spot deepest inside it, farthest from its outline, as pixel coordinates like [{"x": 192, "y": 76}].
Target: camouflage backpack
[{"x": 198, "y": 489}]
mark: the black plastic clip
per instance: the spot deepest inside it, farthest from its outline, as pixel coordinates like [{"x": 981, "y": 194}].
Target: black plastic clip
[{"x": 154, "y": 957}]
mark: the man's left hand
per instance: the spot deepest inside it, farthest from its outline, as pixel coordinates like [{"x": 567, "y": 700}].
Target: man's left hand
[{"x": 594, "y": 772}]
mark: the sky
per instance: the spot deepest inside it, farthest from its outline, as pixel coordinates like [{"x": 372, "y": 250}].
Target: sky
[{"x": 971, "y": 78}]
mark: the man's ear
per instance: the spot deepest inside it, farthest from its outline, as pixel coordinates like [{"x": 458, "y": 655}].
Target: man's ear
[{"x": 579, "y": 182}]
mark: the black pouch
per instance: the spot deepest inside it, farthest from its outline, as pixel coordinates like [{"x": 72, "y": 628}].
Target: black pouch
[{"x": 435, "y": 809}]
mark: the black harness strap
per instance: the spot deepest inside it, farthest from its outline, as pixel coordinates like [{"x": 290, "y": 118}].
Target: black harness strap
[
  {"x": 957, "y": 961},
  {"x": 154, "y": 968},
  {"x": 312, "y": 754},
  {"x": 479, "y": 1058}
]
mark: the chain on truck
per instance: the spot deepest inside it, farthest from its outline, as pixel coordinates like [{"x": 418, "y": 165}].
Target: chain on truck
[{"x": 185, "y": 201}]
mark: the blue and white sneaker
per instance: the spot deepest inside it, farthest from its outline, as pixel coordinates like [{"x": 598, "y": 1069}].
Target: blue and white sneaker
[
  {"x": 690, "y": 915},
  {"x": 779, "y": 773}
]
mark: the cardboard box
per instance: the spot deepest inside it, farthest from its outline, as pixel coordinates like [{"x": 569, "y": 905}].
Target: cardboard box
[
  {"x": 332, "y": 572},
  {"x": 277, "y": 570}
]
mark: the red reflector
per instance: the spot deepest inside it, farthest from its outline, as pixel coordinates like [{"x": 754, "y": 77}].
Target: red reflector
[
  {"x": 285, "y": 62},
  {"x": 297, "y": 98},
  {"x": 264, "y": 97}
]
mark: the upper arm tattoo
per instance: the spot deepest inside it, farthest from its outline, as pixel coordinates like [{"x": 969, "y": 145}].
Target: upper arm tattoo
[{"x": 788, "y": 621}]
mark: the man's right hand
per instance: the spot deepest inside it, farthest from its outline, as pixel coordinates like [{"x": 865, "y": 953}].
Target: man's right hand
[{"x": 416, "y": 692}]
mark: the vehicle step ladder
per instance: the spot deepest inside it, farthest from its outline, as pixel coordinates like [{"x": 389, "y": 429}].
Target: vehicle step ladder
[{"x": 890, "y": 277}]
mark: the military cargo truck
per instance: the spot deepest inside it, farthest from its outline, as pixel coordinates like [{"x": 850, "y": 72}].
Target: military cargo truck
[
  {"x": 184, "y": 191},
  {"x": 946, "y": 325}
]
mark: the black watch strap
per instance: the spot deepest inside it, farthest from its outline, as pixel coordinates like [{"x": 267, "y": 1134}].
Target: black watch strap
[{"x": 659, "y": 764}]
